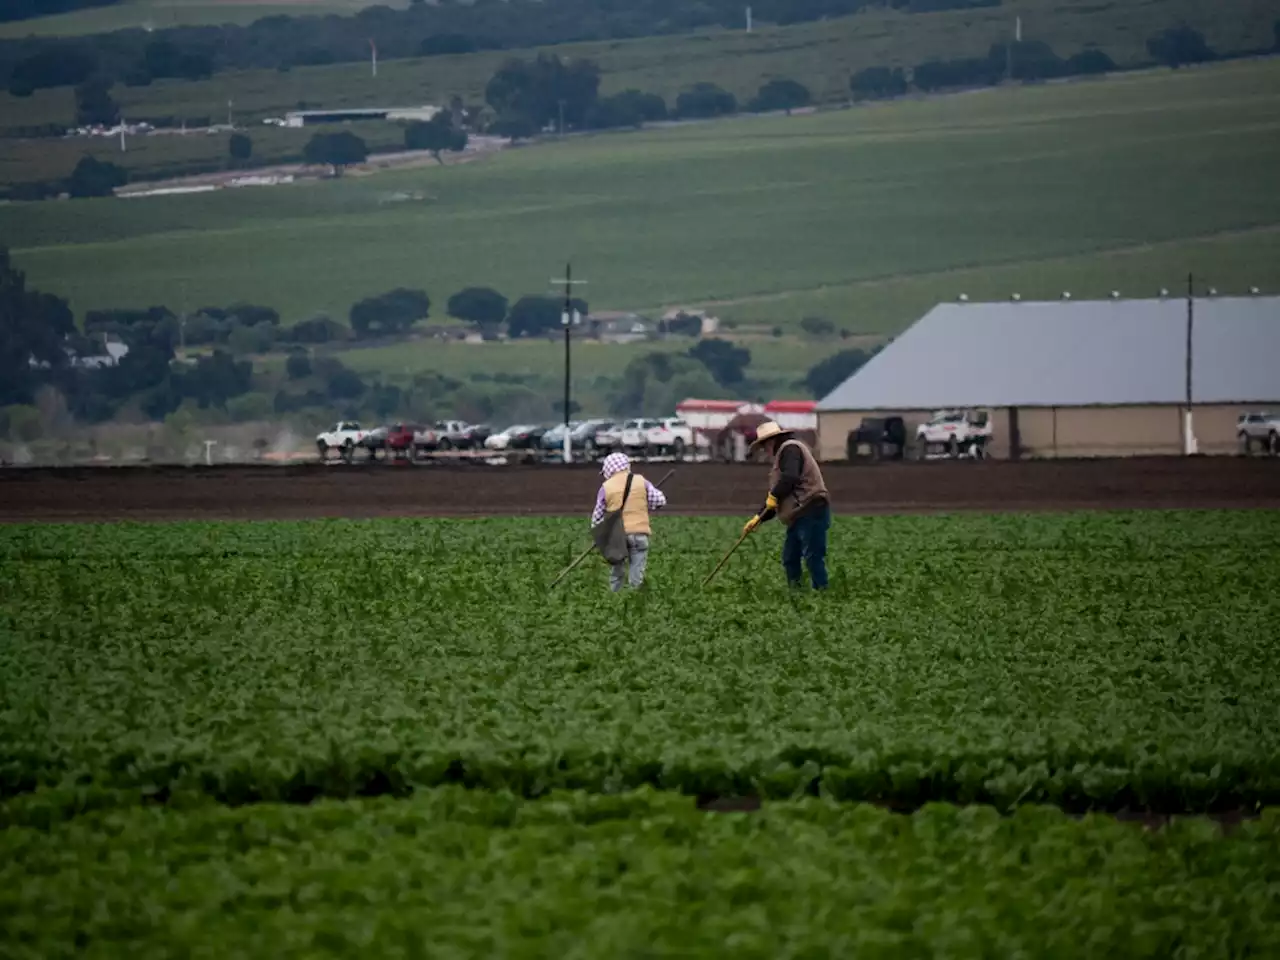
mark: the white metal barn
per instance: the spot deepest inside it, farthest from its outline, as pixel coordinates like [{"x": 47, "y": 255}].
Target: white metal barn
[{"x": 1075, "y": 378}]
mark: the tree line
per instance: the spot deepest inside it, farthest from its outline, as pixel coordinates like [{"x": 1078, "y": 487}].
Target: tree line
[
  {"x": 12, "y": 10},
  {"x": 138, "y": 57},
  {"x": 528, "y": 96},
  {"x": 42, "y": 352}
]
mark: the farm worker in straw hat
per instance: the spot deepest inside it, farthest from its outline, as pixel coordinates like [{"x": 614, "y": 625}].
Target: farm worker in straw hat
[
  {"x": 798, "y": 497},
  {"x": 643, "y": 498}
]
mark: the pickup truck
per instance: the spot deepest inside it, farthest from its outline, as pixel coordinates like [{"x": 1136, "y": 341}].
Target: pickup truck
[
  {"x": 343, "y": 436},
  {"x": 885, "y": 438},
  {"x": 955, "y": 433},
  {"x": 459, "y": 435},
  {"x": 402, "y": 441},
  {"x": 608, "y": 438},
  {"x": 635, "y": 436}
]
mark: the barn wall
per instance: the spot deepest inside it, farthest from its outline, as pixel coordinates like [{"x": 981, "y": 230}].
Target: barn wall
[
  {"x": 834, "y": 427},
  {"x": 1215, "y": 426},
  {"x": 1048, "y": 432},
  {"x": 1100, "y": 431}
]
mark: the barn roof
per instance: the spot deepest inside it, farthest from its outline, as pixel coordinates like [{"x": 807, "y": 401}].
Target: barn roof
[{"x": 1073, "y": 353}]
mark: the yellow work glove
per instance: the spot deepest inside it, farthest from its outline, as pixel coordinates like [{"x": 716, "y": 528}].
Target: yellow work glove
[
  {"x": 771, "y": 502},
  {"x": 751, "y": 525}
]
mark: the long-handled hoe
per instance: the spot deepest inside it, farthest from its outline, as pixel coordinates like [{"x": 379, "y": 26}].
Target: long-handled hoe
[
  {"x": 725, "y": 558},
  {"x": 587, "y": 552}
]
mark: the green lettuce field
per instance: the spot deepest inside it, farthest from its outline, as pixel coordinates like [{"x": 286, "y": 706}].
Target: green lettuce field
[{"x": 288, "y": 739}]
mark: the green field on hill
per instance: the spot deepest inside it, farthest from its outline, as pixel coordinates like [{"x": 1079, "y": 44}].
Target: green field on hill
[
  {"x": 822, "y": 55},
  {"x": 867, "y": 216},
  {"x": 159, "y": 14}
]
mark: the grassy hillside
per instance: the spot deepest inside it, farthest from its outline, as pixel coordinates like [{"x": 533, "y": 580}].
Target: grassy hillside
[
  {"x": 822, "y": 55},
  {"x": 169, "y": 155},
  {"x": 867, "y": 216},
  {"x": 158, "y": 14}
]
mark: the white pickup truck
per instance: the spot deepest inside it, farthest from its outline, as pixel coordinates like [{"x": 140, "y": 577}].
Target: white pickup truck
[
  {"x": 344, "y": 436},
  {"x": 954, "y": 433}
]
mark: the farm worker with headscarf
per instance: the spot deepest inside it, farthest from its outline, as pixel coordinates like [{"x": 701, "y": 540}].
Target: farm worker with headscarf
[
  {"x": 798, "y": 497},
  {"x": 643, "y": 498}
]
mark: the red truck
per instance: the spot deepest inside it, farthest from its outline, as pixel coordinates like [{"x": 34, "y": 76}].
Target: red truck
[{"x": 402, "y": 442}]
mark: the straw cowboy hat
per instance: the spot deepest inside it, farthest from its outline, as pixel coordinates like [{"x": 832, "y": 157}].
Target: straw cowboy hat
[{"x": 767, "y": 431}]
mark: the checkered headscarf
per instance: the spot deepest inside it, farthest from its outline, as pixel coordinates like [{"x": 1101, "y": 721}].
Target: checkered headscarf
[{"x": 615, "y": 463}]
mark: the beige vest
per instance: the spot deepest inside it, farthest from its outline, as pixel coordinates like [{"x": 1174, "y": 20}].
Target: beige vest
[
  {"x": 810, "y": 488},
  {"x": 635, "y": 515}
]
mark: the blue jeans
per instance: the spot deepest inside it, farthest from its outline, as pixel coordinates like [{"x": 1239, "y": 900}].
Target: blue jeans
[
  {"x": 807, "y": 540},
  {"x": 637, "y": 558}
]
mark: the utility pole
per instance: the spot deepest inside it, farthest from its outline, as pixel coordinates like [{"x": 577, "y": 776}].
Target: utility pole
[
  {"x": 1189, "y": 437},
  {"x": 373, "y": 55},
  {"x": 230, "y": 121},
  {"x": 1008, "y": 62},
  {"x": 567, "y": 320},
  {"x": 182, "y": 323}
]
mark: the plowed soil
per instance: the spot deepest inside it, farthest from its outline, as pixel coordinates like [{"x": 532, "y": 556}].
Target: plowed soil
[{"x": 387, "y": 490}]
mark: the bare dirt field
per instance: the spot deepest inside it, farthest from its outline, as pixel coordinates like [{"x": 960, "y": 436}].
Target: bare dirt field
[{"x": 383, "y": 490}]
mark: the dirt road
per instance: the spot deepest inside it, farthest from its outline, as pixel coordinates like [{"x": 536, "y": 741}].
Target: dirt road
[{"x": 377, "y": 490}]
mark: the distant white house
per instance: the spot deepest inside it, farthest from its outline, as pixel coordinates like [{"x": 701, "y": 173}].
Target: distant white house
[
  {"x": 620, "y": 327},
  {"x": 307, "y": 118},
  {"x": 113, "y": 352},
  {"x": 709, "y": 324}
]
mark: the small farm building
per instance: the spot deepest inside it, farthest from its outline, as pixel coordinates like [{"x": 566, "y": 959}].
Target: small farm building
[
  {"x": 1075, "y": 378},
  {"x": 307, "y": 118},
  {"x": 793, "y": 414}
]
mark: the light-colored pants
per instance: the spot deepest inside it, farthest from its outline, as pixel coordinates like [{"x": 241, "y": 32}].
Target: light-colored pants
[{"x": 637, "y": 557}]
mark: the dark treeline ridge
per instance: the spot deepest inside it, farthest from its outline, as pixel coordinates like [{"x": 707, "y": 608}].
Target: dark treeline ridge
[
  {"x": 150, "y": 364},
  {"x": 27, "y": 9},
  {"x": 281, "y": 42}
]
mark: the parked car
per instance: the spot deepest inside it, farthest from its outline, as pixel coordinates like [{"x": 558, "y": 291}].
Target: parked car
[
  {"x": 342, "y": 436},
  {"x": 401, "y": 440},
  {"x": 886, "y": 437},
  {"x": 582, "y": 438},
  {"x": 520, "y": 436},
  {"x": 476, "y": 435},
  {"x": 553, "y": 439},
  {"x": 672, "y": 436},
  {"x": 1260, "y": 428},
  {"x": 954, "y": 433},
  {"x": 375, "y": 441},
  {"x": 425, "y": 439},
  {"x": 459, "y": 435},
  {"x": 635, "y": 435},
  {"x": 609, "y": 438}
]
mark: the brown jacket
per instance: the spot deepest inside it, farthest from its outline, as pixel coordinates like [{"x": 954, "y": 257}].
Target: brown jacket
[{"x": 801, "y": 485}]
